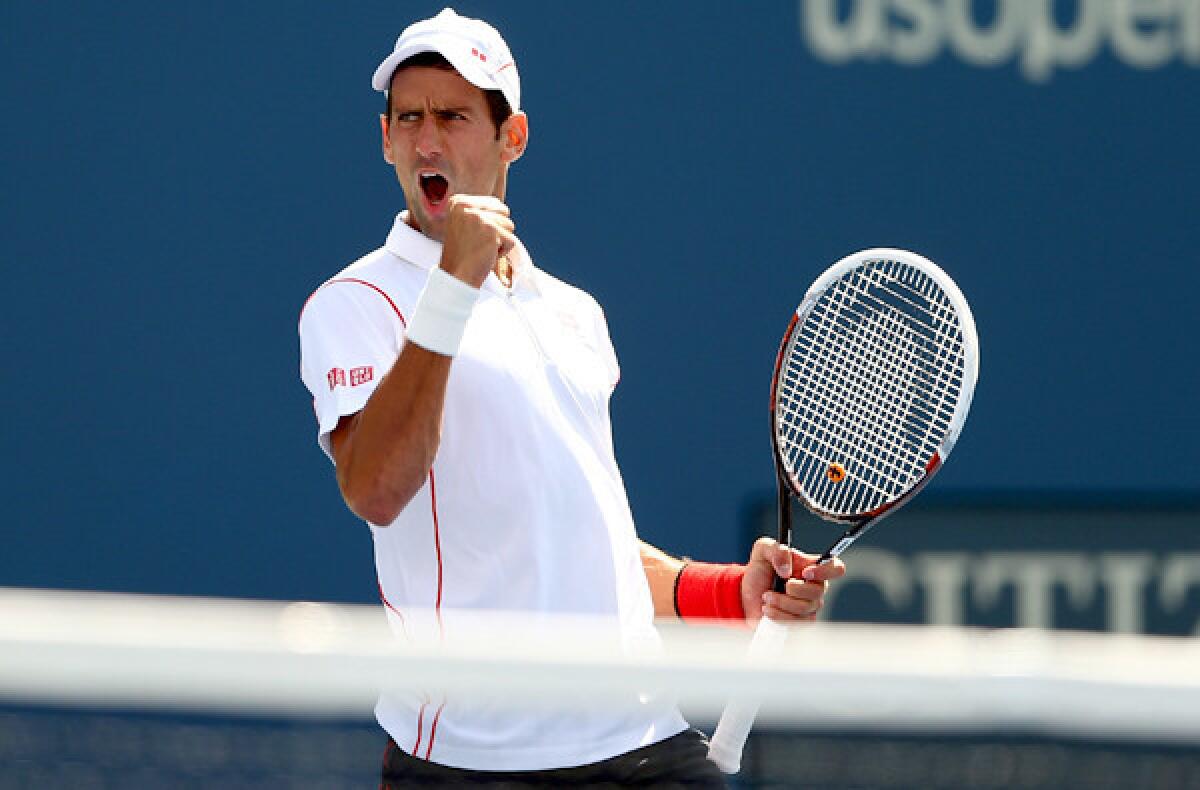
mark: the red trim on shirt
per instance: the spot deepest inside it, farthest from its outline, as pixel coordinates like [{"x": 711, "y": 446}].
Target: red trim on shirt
[
  {"x": 377, "y": 290},
  {"x": 371, "y": 285},
  {"x": 433, "y": 729},
  {"x": 437, "y": 608},
  {"x": 420, "y": 728},
  {"x": 388, "y": 604},
  {"x": 437, "y": 544}
]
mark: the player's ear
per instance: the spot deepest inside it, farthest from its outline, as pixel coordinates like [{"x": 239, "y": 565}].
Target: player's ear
[
  {"x": 387, "y": 145},
  {"x": 514, "y": 134}
]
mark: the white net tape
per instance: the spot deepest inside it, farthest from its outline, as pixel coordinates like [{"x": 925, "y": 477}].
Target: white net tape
[{"x": 87, "y": 649}]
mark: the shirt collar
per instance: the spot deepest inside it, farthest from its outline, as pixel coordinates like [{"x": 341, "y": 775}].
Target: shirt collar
[{"x": 410, "y": 244}]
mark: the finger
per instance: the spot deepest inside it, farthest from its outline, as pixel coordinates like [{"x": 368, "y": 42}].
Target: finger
[
  {"x": 802, "y": 561},
  {"x": 785, "y": 608},
  {"x": 781, "y": 560},
  {"x": 824, "y": 571},
  {"x": 773, "y": 553},
  {"x": 487, "y": 216},
  {"x": 762, "y": 548},
  {"x": 493, "y": 204},
  {"x": 506, "y": 241},
  {"x": 805, "y": 590},
  {"x": 487, "y": 203},
  {"x": 792, "y": 604},
  {"x": 785, "y": 618}
]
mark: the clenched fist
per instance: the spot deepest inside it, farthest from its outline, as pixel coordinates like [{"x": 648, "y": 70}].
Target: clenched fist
[
  {"x": 806, "y": 585},
  {"x": 478, "y": 232}
]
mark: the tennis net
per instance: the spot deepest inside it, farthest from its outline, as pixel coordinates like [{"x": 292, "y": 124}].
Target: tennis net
[{"x": 105, "y": 690}]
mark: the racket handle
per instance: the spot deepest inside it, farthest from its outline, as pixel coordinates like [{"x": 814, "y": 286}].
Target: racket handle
[{"x": 725, "y": 748}]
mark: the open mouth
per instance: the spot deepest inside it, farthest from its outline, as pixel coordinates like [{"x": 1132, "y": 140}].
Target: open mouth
[{"x": 434, "y": 186}]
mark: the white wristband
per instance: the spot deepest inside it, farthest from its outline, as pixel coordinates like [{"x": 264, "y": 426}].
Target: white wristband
[{"x": 440, "y": 318}]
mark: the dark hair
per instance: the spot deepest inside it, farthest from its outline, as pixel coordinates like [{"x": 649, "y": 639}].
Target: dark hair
[{"x": 498, "y": 106}]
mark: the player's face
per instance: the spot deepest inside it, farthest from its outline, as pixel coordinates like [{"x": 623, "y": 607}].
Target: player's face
[{"x": 442, "y": 142}]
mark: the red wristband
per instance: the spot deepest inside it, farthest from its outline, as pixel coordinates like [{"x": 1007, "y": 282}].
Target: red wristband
[{"x": 704, "y": 591}]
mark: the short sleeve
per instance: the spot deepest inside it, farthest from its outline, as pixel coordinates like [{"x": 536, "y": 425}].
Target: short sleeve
[
  {"x": 604, "y": 343},
  {"x": 350, "y": 336}
]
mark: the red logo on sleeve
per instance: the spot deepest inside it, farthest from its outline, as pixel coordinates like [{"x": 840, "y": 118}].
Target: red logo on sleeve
[{"x": 359, "y": 375}]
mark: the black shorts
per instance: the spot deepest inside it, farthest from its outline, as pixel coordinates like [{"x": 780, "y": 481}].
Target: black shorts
[{"x": 678, "y": 762}]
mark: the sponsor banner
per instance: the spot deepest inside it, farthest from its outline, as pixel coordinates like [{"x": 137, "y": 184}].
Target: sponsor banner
[
  {"x": 1040, "y": 36},
  {"x": 1132, "y": 567}
]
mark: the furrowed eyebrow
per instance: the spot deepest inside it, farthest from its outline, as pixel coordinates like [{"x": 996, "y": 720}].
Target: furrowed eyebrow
[{"x": 438, "y": 111}]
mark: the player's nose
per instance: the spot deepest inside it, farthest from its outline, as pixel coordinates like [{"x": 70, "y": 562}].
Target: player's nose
[{"x": 429, "y": 138}]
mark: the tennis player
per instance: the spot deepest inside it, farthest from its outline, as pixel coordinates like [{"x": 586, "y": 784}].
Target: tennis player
[{"x": 462, "y": 393}]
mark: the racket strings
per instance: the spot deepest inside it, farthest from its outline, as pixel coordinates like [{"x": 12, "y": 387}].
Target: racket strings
[
  {"x": 880, "y": 468},
  {"x": 888, "y": 433},
  {"x": 855, "y": 418},
  {"x": 875, "y": 455},
  {"x": 920, "y": 369},
  {"x": 885, "y": 352},
  {"x": 950, "y": 359},
  {"x": 869, "y": 381},
  {"x": 944, "y": 335},
  {"x": 849, "y": 413},
  {"x": 949, "y": 339}
]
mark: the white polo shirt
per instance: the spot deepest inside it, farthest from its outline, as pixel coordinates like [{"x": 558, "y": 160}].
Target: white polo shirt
[{"x": 524, "y": 508}]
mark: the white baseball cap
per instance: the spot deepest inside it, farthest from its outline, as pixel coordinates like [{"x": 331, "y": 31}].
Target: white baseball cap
[{"x": 473, "y": 47}]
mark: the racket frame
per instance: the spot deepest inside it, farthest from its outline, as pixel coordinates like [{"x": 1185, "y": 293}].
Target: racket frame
[
  {"x": 729, "y": 738},
  {"x": 788, "y": 486}
]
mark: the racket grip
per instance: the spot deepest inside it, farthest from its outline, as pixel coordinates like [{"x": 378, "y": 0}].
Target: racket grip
[{"x": 725, "y": 748}]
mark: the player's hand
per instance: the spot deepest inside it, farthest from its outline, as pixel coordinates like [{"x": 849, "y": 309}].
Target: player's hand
[
  {"x": 806, "y": 585},
  {"x": 478, "y": 231}
]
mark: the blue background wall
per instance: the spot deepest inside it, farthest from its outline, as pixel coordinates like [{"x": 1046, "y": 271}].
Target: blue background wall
[{"x": 178, "y": 177}]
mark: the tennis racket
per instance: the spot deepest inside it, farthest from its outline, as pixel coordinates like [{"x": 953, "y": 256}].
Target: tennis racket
[{"x": 871, "y": 388}]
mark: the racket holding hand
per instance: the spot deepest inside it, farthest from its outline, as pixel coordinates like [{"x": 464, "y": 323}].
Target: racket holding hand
[{"x": 871, "y": 388}]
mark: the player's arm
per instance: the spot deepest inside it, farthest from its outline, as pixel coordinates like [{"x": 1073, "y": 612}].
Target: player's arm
[
  {"x": 805, "y": 589},
  {"x": 384, "y": 452},
  {"x": 661, "y": 572}
]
